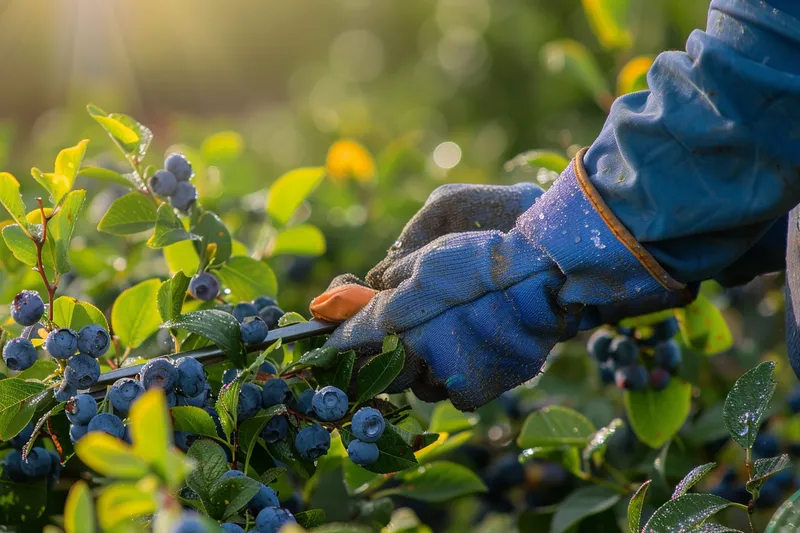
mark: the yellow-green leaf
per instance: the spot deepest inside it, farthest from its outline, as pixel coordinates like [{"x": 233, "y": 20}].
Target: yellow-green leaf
[
  {"x": 12, "y": 200},
  {"x": 633, "y": 76},
  {"x": 151, "y": 430},
  {"x": 574, "y": 59},
  {"x": 181, "y": 256},
  {"x": 110, "y": 457},
  {"x": 134, "y": 315},
  {"x": 104, "y": 174},
  {"x": 79, "y": 510},
  {"x": 128, "y": 214},
  {"x": 60, "y": 181},
  {"x": 248, "y": 278},
  {"x": 703, "y": 327},
  {"x": 299, "y": 240},
  {"x": 290, "y": 190},
  {"x": 609, "y": 22},
  {"x": 656, "y": 416},
  {"x": 122, "y": 502},
  {"x": 71, "y": 313}
]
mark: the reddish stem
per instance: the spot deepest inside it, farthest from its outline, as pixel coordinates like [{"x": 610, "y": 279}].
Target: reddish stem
[{"x": 51, "y": 289}]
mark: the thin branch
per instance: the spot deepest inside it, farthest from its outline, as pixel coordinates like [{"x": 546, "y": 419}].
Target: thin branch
[{"x": 51, "y": 289}]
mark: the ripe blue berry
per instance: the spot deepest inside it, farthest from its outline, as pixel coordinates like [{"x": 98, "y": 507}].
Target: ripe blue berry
[
  {"x": 163, "y": 183},
  {"x": 624, "y": 350},
  {"x": 304, "y": 401},
  {"x": 232, "y": 473},
  {"x": 65, "y": 391},
  {"x": 22, "y": 438},
  {"x": 93, "y": 340},
  {"x": 177, "y": 164},
  {"x": 270, "y": 315},
  {"x": 158, "y": 373},
  {"x": 27, "y": 308},
  {"x": 329, "y": 403},
  {"x": 275, "y": 429},
  {"x": 19, "y": 354},
  {"x": 12, "y": 466},
  {"x": 667, "y": 355},
  {"x": 607, "y": 373},
  {"x": 272, "y": 519},
  {"x": 368, "y": 424},
  {"x": 254, "y": 330},
  {"x": 204, "y": 286},
  {"x": 268, "y": 368},
  {"x": 599, "y": 345},
  {"x": 504, "y": 473},
  {"x": 190, "y": 523},
  {"x": 185, "y": 196},
  {"x": 61, "y": 343},
  {"x": 172, "y": 399},
  {"x": 181, "y": 439},
  {"x": 243, "y": 310},
  {"x": 794, "y": 400},
  {"x": 659, "y": 379},
  {"x": 664, "y": 331},
  {"x": 81, "y": 409},
  {"x": 230, "y": 527},
  {"x": 263, "y": 301},
  {"x": 38, "y": 463},
  {"x": 196, "y": 401},
  {"x": 229, "y": 375},
  {"x": 76, "y": 433},
  {"x": 265, "y": 497},
  {"x": 766, "y": 445},
  {"x": 249, "y": 401},
  {"x": 363, "y": 453},
  {"x": 632, "y": 377},
  {"x": 312, "y": 442},
  {"x": 215, "y": 417},
  {"x": 123, "y": 393},
  {"x": 275, "y": 392},
  {"x": 191, "y": 376},
  {"x": 108, "y": 423},
  {"x": 82, "y": 371}
]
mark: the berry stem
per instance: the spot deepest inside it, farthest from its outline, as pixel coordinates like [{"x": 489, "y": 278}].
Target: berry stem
[{"x": 51, "y": 289}]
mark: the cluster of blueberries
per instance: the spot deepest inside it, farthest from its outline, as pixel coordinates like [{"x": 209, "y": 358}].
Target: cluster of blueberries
[
  {"x": 172, "y": 182},
  {"x": 39, "y": 464},
  {"x": 256, "y": 318},
  {"x": 620, "y": 356}
]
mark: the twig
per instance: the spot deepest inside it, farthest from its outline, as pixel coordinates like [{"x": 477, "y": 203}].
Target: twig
[{"x": 51, "y": 289}]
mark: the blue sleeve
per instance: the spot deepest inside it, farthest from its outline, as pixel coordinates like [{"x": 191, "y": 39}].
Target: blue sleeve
[{"x": 702, "y": 165}]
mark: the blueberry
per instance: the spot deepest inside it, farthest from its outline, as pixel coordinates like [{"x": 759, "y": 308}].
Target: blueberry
[
  {"x": 275, "y": 392},
  {"x": 185, "y": 196},
  {"x": 123, "y": 393},
  {"x": 27, "y": 308},
  {"x": 93, "y": 340},
  {"x": 232, "y": 473},
  {"x": 204, "y": 286},
  {"x": 38, "y": 463},
  {"x": 665, "y": 331},
  {"x": 265, "y": 497},
  {"x": 19, "y": 354},
  {"x": 82, "y": 371},
  {"x": 268, "y": 368},
  {"x": 599, "y": 345},
  {"x": 81, "y": 409},
  {"x": 249, "y": 401},
  {"x": 770, "y": 494},
  {"x": 12, "y": 466},
  {"x": 229, "y": 375},
  {"x": 329, "y": 403},
  {"x": 190, "y": 523},
  {"x": 632, "y": 377},
  {"x": 667, "y": 355},
  {"x": 181, "y": 439},
  {"x": 55, "y": 470},
  {"x": 510, "y": 404},
  {"x": 215, "y": 417},
  {"x": 243, "y": 310},
  {"x": 505, "y": 473},
  {"x": 31, "y": 332},
  {"x": 659, "y": 379},
  {"x": 312, "y": 442},
  {"x": 172, "y": 399},
  {"x": 76, "y": 433},
  {"x": 230, "y": 527},
  {"x": 163, "y": 183},
  {"x": 368, "y": 424},
  {"x": 108, "y": 423},
  {"x": 191, "y": 376},
  {"x": 177, "y": 164},
  {"x": 794, "y": 400},
  {"x": 254, "y": 330},
  {"x": 607, "y": 374},
  {"x": 304, "y": 401},
  {"x": 61, "y": 343},
  {"x": 271, "y": 314},
  {"x": 159, "y": 373},
  {"x": 363, "y": 453},
  {"x": 196, "y": 401},
  {"x": 264, "y": 301},
  {"x": 624, "y": 350},
  {"x": 784, "y": 479},
  {"x": 275, "y": 429},
  {"x": 766, "y": 445},
  {"x": 65, "y": 391},
  {"x": 272, "y": 519},
  {"x": 22, "y": 438}
]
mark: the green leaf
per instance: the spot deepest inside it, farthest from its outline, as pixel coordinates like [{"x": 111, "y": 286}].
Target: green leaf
[
  {"x": 574, "y": 59},
  {"x": 169, "y": 229},
  {"x": 21, "y": 503},
  {"x": 212, "y": 230},
  {"x": 553, "y": 161},
  {"x": 395, "y": 453},
  {"x": 247, "y": 278},
  {"x": 22, "y": 246},
  {"x": 581, "y": 504},
  {"x": 122, "y": 502},
  {"x": 764, "y": 469},
  {"x": 109, "y": 456},
  {"x": 182, "y": 257},
  {"x": 271, "y": 475},
  {"x": 218, "y": 326},
  {"x": 290, "y": 190},
  {"x": 305, "y": 239},
  {"x": 106, "y": 175},
  {"x": 310, "y": 518},
  {"x": 338, "y": 375},
  {"x": 12, "y": 200},
  {"x": 747, "y": 402},
  {"x": 170, "y": 296},
  {"x": 324, "y": 357},
  {"x": 685, "y": 512},
  {"x": 438, "y": 482},
  {"x": 555, "y": 426},
  {"x": 134, "y": 315},
  {"x": 635, "y": 507},
  {"x": 129, "y": 214},
  {"x": 79, "y": 510},
  {"x": 787, "y": 518},
  {"x": 379, "y": 372},
  {"x": 130, "y": 136},
  {"x": 61, "y": 227},
  {"x": 230, "y": 495},
  {"x": 633, "y": 75},
  {"x": 39, "y": 370},
  {"x": 227, "y": 406},
  {"x": 193, "y": 420},
  {"x": 609, "y": 22},
  {"x": 448, "y": 419},
  {"x": 151, "y": 432},
  {"x": 656, "y": 416},
  {"x": 71, "y": 313},
  {"x": 210, "y": 464},
  {"x": 703, "y": 327},
  {"x": 290, "y": 318},
  {"x": 443, "y": 445},
  {"x": 285, "y": 452},
  {"x": 691, "y": 479},
  {"x": 598, "y": 442},
  {"x": 60, "y": 182},
  {"x": 250, "y": 429},
  {"x": 18, "y": 400}
]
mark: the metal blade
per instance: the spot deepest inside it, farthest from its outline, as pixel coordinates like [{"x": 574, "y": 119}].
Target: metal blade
[{"x": 212, "y": 354}]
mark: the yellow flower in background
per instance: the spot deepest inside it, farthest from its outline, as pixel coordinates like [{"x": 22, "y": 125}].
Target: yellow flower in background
[{"x": 346, "y": 159}]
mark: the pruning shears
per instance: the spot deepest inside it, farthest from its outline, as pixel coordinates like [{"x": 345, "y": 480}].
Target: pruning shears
[{"x": 211, "y": 354}]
